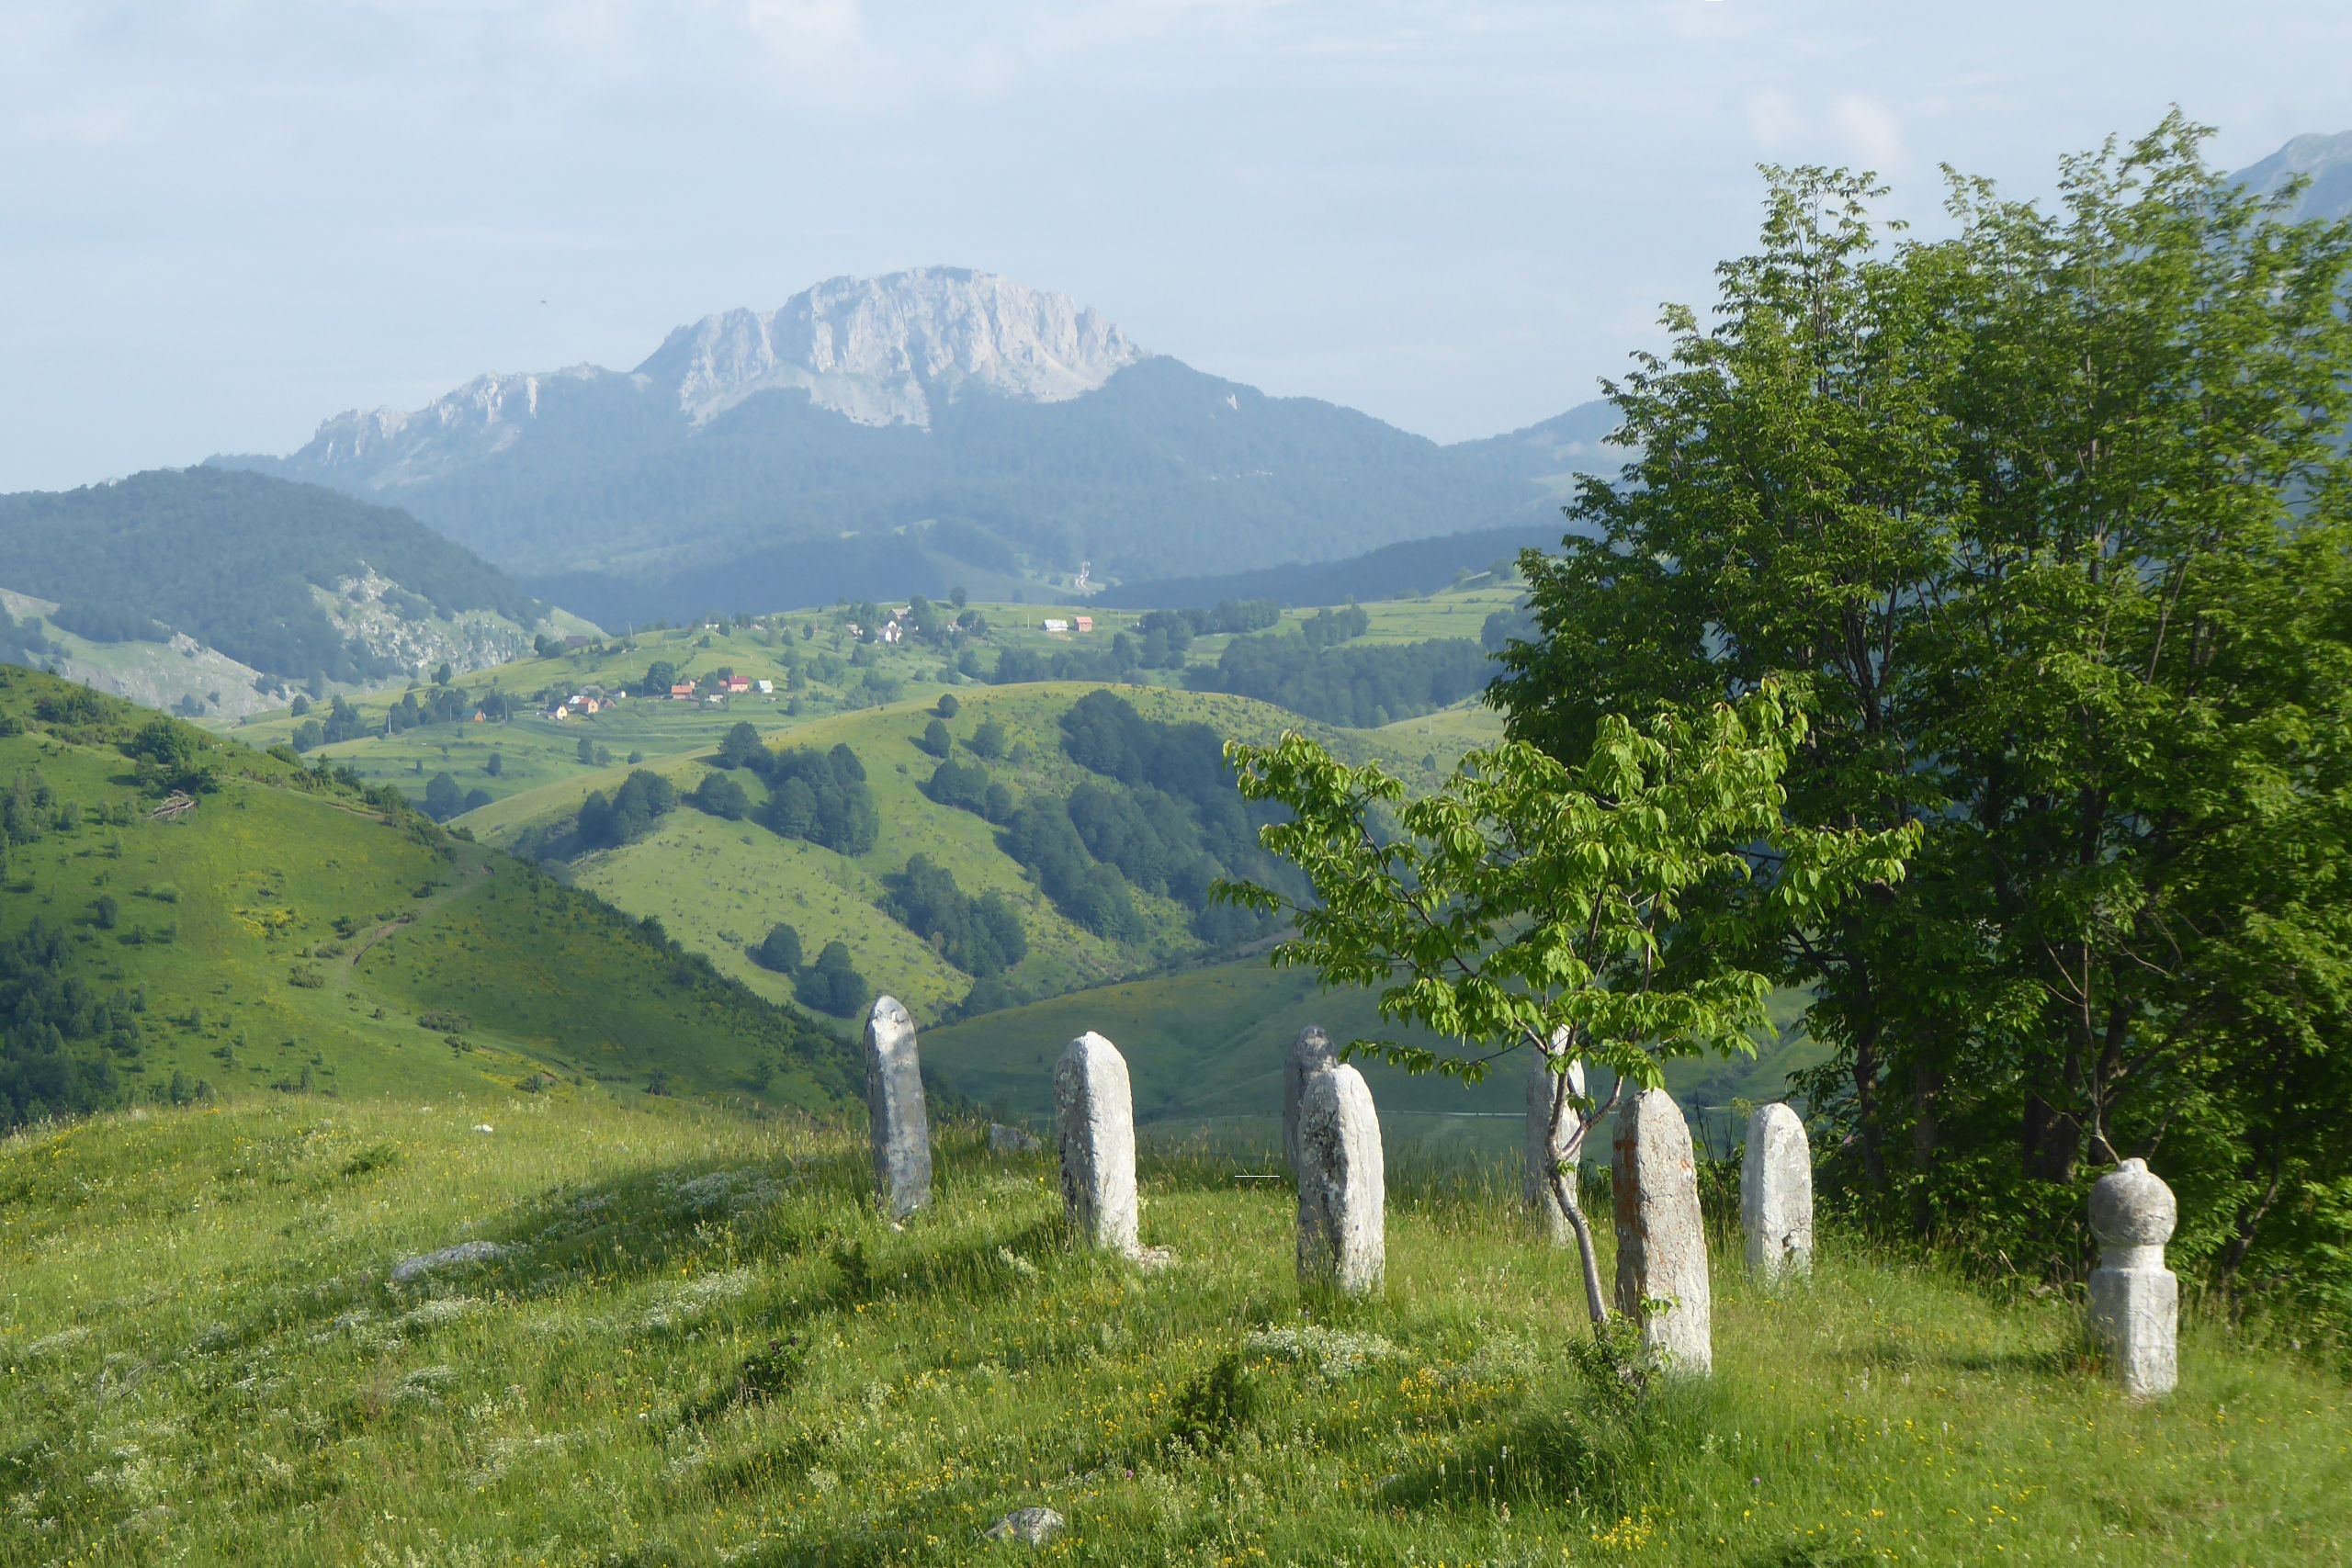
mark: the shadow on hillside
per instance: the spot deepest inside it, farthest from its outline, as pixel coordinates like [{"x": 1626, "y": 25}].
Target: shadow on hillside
[{"x": 648, "y": 1222}]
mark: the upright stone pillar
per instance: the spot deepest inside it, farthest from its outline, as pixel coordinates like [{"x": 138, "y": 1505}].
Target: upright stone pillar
[
  {"x": 1343, "y": 1189},
  {"x": 2135, "y": 1300},
  {"x": 1661, "y": 1240},
  {"x": 1309, "y": 1055},
  {"x": 1776, "y": 1195},
  {"x": 894, "y": 1109},
  {"x": 1096, "y": 1121},
  {"x": 1548, "y": 1148}
]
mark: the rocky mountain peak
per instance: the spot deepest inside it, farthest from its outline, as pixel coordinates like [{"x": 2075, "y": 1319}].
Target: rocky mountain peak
[{"x": 878, "y": 350}]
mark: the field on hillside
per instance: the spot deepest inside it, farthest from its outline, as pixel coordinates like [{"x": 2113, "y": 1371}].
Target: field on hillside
[
  {"x": 535, "y": 753},
  {"x": 700, "y": 1345},
  {"x": 718, "y": 887},
  {"x": 286, "y": 935},
  {"x": 1205, "y": 1047}
]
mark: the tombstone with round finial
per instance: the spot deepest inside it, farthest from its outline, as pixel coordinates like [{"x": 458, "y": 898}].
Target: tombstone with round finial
[
  {"x": 1661, "y": 1240},
  {"x": 894, "y": 1107},
  {"x": 1094, "y": 1123},
  {"x": 1342, "y": 1191},
  {"x": 1310, "y": 1053},
  {"x": 1554, "y": 1140},
  {"x": 2135, "y": 1300},
  {"x": 1776, "y": 1195}
]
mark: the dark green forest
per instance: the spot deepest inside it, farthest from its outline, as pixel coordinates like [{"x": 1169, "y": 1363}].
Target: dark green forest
[{"x": 230, "y": 558}]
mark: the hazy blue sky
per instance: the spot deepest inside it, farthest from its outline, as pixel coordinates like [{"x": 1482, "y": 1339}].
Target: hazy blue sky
[{"x": 222, "y": 221}]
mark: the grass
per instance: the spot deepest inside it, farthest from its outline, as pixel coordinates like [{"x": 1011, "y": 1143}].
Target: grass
[
  {"x": 718, "y": 887},
  {"x": 1205, "y": 1046},
  {"x": 702, "y": 1345},
  {"x": 282, "y": 927}
]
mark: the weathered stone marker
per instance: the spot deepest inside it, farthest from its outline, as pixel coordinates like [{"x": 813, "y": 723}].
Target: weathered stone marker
[
  {"x": 894, "y": 1109},
  {"x": 1547, "y": 1152},
  {"x": 1776, "y": 1195},
  {"x": 1309, "y": 1055},
  {"x": 1661, "y": 1240},
  {"x": 1343, "y": 1189},
  {"x": 2135, "y": 1300},
  {"x": 1095, "y": 1123}
]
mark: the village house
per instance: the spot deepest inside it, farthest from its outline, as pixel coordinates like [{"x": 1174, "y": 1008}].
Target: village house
[
  {"x": 684, "y": 692},
  {"x": 767, "y": 688},
  {"x": 738, "y": 685},
  {"x": 1085, "y": 624},
  {"x": 1057, "y": 628}
]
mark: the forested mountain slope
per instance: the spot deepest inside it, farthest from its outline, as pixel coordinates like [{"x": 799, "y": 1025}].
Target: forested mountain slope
[
  {"x": 969, "y": 427},
  {"x": 291, "y": 579}
]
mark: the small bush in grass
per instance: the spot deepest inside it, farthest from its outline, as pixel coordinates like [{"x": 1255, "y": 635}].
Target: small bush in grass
[{"x": 1214, "y": 1407}]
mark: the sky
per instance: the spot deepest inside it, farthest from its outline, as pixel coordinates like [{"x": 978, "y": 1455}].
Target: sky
[{"x": 224, "y": 220}]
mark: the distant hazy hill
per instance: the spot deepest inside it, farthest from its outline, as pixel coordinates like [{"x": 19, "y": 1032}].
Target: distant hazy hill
[
  {"x": 287, "y": 579},
  {"x": 896, "y": 434},
  {"x": 2327, "y": 160}
]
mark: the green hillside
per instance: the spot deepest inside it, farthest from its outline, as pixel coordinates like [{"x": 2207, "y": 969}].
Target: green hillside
[
  {"x": 291, "y": 933},
  {"x": 1205, "y": 1047},
  {"x": 292, "y": 579},
  {"x": 718, "y": 886},
  {"x": 703, "y": 1346}
]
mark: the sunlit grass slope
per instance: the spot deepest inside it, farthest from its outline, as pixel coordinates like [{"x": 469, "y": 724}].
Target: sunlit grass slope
[
  {"x": 718, "y": 887},
  {"x": 702, "y": 1345},
  {"x": 286, "y": 924}
]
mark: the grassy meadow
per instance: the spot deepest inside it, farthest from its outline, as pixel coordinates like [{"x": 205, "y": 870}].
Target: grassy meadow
[
  {"x": 701, "y": 1345},
  {"x": 286, "y": 935}
]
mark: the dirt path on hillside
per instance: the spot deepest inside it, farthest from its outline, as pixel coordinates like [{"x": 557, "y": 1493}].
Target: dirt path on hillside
[{"x": 344, "y": 972}]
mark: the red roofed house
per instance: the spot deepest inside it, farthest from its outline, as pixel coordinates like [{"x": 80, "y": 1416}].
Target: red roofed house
[
  {"x": 738, "y": 685},
  {"x": 684, "y": 692}
]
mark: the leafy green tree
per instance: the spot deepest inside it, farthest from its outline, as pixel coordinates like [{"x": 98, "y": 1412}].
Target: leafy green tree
[
  {"x": 659, "y": 676},
  {"x": 443, "y": 799},
  {"x": 936, "y": 740},
  {"x": 947, "y": 706},
  {"x": 740, "y": 748},
  {"x": 987, "y": 740},
  {"x": 2051, "y": 517},
  {"x": 721, "y": 795},
  {"x": 495, "y": 765},
  {"x": 1574, "y": 910},
  {"x": 779, "y": 950}
]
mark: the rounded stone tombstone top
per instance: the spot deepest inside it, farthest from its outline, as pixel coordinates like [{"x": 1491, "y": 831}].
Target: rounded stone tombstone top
[{"x": 2132, "y": 1207}]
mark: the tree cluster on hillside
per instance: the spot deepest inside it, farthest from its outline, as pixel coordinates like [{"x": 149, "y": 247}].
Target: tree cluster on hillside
[
  {"x": 2054, "y": 520},
  {"x": 101, "y": 622},
  {"x": 44, "y": 1013},
  {"x": 1358, "y": 687},
  {"x": 643, "y": 800},
  {"x": 980, "y": 936},
  {"x": 21, "y": 642},
  {"x": 231, "y": 559},
  {"x": 821, "y": 796}
]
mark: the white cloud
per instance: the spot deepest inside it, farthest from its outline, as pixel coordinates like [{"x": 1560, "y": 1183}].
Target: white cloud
[{"x": 1871, "y": 130}]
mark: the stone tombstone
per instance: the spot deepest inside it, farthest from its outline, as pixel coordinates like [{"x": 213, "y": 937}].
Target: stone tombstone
[
  {"x": 1661, "y": 1240},
  {"x": 1343, "y": 1190},
  {"x": 2135, "y": 1300},
  {"x": 1309, "y": 1055},
  {"x": 1776, "y": 1195},
  {"x": 1095, "y": 1123},
  {"x": 1546, "y": 1152},
  {"x": 894, "y": 1108}
]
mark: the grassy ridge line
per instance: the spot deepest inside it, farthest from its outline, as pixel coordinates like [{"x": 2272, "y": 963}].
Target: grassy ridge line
[
  {"x": 251, "y": 886},
  {"x": 704, "y": 1346}
]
